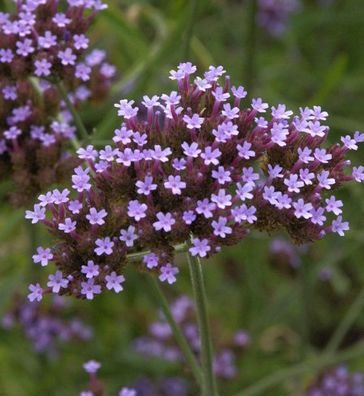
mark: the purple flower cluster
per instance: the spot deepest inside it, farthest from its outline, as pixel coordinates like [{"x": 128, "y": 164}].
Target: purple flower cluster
[
  {"x": 273, "y": 15},
  {"x": 160, "y": 341},
  {"x": 96, "y": 387},
  {"x": 285, "y": 255},
  {"x": 46, "y": 327},
  {"x": 40, "y": 45},
  {"x": 201, "y": 162},
  {"x": 165, "y": 386},
  {"x": 338, "y": 382}
]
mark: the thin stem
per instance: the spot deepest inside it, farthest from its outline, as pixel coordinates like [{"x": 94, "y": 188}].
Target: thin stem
[
  {"x": 132, "y": 257},
  {"x": 189, "y": 29},
  {"x": 76, "y": 117},
  {"x": 209, "y": 382},
  {"x": 261, "y": 387},
  {"x": 180, "y": 338},
  {"x": 304, "y": 313},
  {"x": 345, "y": 325},
  {"x": 250, "y": 45}
]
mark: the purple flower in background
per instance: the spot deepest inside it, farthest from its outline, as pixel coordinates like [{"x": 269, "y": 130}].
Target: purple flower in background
[{"x": 92, "y": 366}]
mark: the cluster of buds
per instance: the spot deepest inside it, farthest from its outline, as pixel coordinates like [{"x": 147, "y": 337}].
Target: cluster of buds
[
  {"x": 46, "y": 327},
  {"x": 338, "y": 382},
  {"x": 40, "y": 47},
  {"x": 273, "y": 15},
  {"x": 96, "y": 386},
  {"x": 199, "y": 163},
  {"x": 160, "y": 342}
]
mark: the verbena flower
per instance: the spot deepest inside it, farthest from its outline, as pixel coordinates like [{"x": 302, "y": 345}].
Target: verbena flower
[
  {"x": 47, "y": 327},
  {"x": 197, "y": 171},
  {"x": 96, "y": 386},
  {"x": 273, "y": 15},
  {"x": 160, "y": 341},
  {"x": 40, "y": 45},
  {"x": 337, "y": 382}
]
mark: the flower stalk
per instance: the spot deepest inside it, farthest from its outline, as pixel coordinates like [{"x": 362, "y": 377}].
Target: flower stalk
[
  {"x": 209, "y": 387},
  {"x": 177, "y": 332},
  {"x": 76, "y": 117}
]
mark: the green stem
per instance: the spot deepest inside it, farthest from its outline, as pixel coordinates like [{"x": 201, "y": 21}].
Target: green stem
[
  {"x": 345, "y": 325},
  {"x": 250, "y": 45},
  {"x": 305, "y": 308},
  {"x": 180, "y": 338},
  {"x": 209, "y": 383},
  {"x": 76, "y": 117},
  {"x": 261, "y": 387},
  {"x": 189, "y": 30},
  {"x": 132, "y": 257}
]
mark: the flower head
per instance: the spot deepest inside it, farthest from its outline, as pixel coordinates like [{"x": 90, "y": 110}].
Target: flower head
[{"x": 177, "y": 172}]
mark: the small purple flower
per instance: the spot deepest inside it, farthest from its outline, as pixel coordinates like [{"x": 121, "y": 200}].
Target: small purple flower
[
  {"x": 220, "y": 228},
  {"x": 175, "y": 184},
  {"x": 91, "y": 367},
  {"x": 165, "y": 222},
  {"x": 48, "y": 40},
  {"x": 36, "y": 215},
  {"x": 136, "y": 210},
  {"x": 80, "y": 41},
  {"x": 90, "y": 270},
  {"x": 302, "y": 209},
  {"x": 56, "y": 282},
  {"x": 221, "y": 199},
  {"x": 42, "y": 256},
  {"x": 114, "y": 281},
  {"x": 42, "y": 68},
  {"x": 205, "y": 207},
  {"x": 88, "y": 153},
  {"x": 318, "y": 216},
  {"x": 128, "y": 236},
  {"x": 322, "y": 156},
  {"x": 75, "y": 206},
  {"x": 151, "y": 260},
  {"x": 210, "y": 156},
  {"x": 189, "y": 217},
  {"x": 259, "y": 105},
  {"x": 334, "y": 205},
  {"x": 200, "y": 247},
  {"x": 293, "y": 184},
  {"x": 168, "y": 273},
  {"x": 60, "y": 197},
  {"x": 61, "y": 20},
  {"x": 221, "y": 175},
  {"x": 244, "y": 151},
  {"x": 89, "y": 288},
  {"x": 36, "y": 292},
  {"x": 191, "y": 150},
  {"x": 220, "y": 95},
  {"x": 104, "y": 246},
  {"x": 67, "y": 226},
  {"x": 193, "y": 122},
  {"x": 358, "y": 173},
  {"x": 340, "y": 226},
  {"x": 127, "y": 392},
  {"x": 67, "y": 57},
  {"x": 96, "y": 217}
]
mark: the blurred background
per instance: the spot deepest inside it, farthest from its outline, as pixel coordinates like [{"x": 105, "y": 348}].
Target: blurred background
[{"x": 286, "y": 301}]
